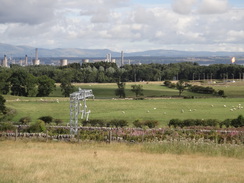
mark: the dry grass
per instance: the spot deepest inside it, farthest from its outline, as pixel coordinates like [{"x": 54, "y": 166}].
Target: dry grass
[{"x": 93, "y": 162}]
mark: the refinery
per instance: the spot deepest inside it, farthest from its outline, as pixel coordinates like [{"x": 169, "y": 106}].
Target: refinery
[{"x": 7, "y": 61}]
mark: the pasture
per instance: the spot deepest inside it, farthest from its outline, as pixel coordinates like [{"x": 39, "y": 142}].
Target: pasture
[
  {"x": 159, "y": 107},
  {"x": 28, "y": 161}
]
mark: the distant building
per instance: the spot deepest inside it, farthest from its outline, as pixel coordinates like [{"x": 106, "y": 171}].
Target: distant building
[
  {"x": 5, "y": 61},
  {"x": 63, "y": 62},
  {"x": 85, "y": 61},
  {"x": 36, "y": 61}
]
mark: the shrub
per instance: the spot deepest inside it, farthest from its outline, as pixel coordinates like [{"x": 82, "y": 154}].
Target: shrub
[
  {"x": 221, "y": 93},
  {"x": 238, "y": 122},
  {"x": 8, "y": 114},
  {"x": 46, "y": 119},
  {"x": 94, "y": 122},
  {"x": 212, "y": 122},
  {"x": 58, "y": 121},
  {"x": 6, "y": 126},
  {"x": 175, "y": 123},
  {"x": 137, "y": 123},
  {"x": 118, "y": 123},
  {"x": 38, "y": 126},
  {"x": 151, "y": 123},
  {"x": 225, "y": 123},
  {"x": 167, "y": 83},
  {"x": 25, "y": 120}
]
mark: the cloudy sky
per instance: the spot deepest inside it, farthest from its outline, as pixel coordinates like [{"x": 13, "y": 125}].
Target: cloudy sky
[{"x": 129, "y": 25}]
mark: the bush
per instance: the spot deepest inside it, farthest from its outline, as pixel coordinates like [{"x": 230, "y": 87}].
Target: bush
[
  {"x": 167, "y": 83},
  {"x": 46, "y": 119},
  {"x": 9, "y": 114},
  {"x": 147, "y": 123},
  {"x": 38, "y": 126},
  {"x": 25, "y": 120},
  {"x": 212, "y": 122},
  {"x": 58, "y": 121},
  {"x": 175, "y": 123},
  {"x": 118, "y": 123},
  {"x": 151, "y": 123},
  {"x": 6, "y": 126},
  {"x": 138, "y": 124},
  {"x": 94, "y": 122},
  {"x": 225, "y": 123},
  {"x": 238, "y": 122},
  {"x": 221, "y": 93}
]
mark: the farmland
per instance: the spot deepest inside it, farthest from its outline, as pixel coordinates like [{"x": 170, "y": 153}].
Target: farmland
[{"x": 158, "y": 105}]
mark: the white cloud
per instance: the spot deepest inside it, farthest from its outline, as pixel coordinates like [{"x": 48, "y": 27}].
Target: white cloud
[
  {"x": 27, "y": 11},
  {"x": 183, "y": 6},
  {"x": 213, "y": 6}
]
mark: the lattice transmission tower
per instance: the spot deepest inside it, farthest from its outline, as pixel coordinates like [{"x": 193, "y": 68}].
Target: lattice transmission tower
[{"x": 78, "y": 106}]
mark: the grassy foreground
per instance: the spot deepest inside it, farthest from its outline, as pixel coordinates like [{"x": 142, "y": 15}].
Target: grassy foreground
[{"x": 93, "y": 162}]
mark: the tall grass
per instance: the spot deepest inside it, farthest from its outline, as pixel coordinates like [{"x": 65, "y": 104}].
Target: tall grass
[
  {"x": 92, "y": 162},
  {"x": 185, "y": 147}
]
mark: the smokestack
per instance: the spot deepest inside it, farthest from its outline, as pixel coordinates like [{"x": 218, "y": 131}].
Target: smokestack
[
  {"x": 26, "y": 60},
  {"x": 36, "y": 53},
  {"x": 122, "y": 58}
]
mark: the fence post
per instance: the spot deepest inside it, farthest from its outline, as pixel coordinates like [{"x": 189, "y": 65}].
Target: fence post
[
  {"x": 47, "y": 136},
  {"x": 16, "y": 134},
  {"x": 78, "y": 135},
  {"x": 110, "y": 136}
]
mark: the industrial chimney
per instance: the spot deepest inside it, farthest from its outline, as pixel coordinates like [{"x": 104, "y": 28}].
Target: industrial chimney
[
  {"x": 122, "y": 58},
  {"x": 36, "y": 61}
]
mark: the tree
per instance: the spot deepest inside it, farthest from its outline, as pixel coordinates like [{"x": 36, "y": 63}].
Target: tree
[
  {"x": 137, "y": 89},
  {"x": 180, "y": 85},
  {"x": 66, "y": 86},
  {"x": 2, "y": 105},
  {"x": 22, "y": 83},
  {"x": 4, "y": 83},
  {"x": 121, "y": 90},
  {"x": 45, "y": 86}
]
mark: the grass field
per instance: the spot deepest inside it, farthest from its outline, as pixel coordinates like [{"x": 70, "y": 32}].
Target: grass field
[
  {"x": 101, "y": 163},
  {"x": 107, "y": 106},
  {"x": 157, "y": 109}
]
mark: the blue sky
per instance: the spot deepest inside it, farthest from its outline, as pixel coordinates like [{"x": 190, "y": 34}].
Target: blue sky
[{"x": 129, "y": 25}]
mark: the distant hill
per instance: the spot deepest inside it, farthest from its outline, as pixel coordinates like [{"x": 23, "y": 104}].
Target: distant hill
[{"x": 21, "y": 51}]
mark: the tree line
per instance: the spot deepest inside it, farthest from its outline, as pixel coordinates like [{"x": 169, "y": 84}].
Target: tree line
[{"x": 40, "y": 80}]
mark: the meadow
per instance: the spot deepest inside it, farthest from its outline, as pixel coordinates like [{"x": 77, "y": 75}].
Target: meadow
[
  {"x": 160, "y": 107},
  {"x": 26, "y": 161}
]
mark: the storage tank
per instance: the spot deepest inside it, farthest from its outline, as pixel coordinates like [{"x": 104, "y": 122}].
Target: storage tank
[
  {"x": 63, "y": 62},
  {"x": 85, "y": 60},
  {"x": 36, "y": 62}
]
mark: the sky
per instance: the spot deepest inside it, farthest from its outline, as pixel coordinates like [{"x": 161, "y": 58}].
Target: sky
[{"x": 128, "y": 25}]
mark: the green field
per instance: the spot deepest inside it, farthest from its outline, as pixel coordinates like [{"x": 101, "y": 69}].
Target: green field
[{"x": 107, "y": 106}]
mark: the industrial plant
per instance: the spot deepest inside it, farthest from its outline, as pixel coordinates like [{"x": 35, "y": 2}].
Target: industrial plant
[{"x": 7, "y": 61}]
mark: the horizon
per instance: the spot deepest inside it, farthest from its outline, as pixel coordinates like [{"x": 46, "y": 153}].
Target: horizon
[{"x": 128, "y": 25}]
